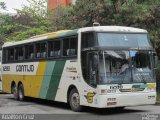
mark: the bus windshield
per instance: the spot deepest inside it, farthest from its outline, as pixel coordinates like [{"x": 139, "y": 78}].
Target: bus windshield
[
  {"x": 125, "y": 67},
  {"x": 123, "y": 40}
]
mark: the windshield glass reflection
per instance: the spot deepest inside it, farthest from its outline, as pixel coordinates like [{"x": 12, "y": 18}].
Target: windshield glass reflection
[
  {"x": 123, "y": 40},
  {"x": 141, "y": 66},
  {"x": 125, "y": 67}
]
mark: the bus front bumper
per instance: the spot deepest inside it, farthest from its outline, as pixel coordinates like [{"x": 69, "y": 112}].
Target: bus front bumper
[{"x": 127, "y": 99}]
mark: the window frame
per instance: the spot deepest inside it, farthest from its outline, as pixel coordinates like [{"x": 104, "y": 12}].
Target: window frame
[
  {"x": 15, "y": 52},
  {"x": 34, "y": 59},
  {"x": 28, "y": 53},
  {"x": 40, "y": 42},
  {"x": 53, "y": 41},
  {"x": 94, "y": 38},
  {"x": 76, "y": 50},
  {"x": 7, "y": 54}
]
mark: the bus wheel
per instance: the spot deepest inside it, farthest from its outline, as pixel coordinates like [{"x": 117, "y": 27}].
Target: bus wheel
[
  {"x": 21, "y": 92},
  {"x": 14, "y": 91},
  {"x": 74, "y": 100}
]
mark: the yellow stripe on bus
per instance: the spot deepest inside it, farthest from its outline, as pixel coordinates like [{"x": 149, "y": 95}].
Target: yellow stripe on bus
[
  {"x": 39, "y": 78},
  {"x": 31, "y": 83}
]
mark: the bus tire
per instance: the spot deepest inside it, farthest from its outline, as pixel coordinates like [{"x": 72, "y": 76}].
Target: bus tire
[
  {"x": 14, "y": 91},
  {"x": 74, "y": 100},
  {"x": 119, "y": 108},
  {"x": 21, "y": 92}
]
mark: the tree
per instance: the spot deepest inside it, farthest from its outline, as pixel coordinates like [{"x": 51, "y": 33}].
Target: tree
[
  {"x": 4, "y": 21},
  {"x": 2, "y": 5},
  {"x": 34, "y": 19},
  {"x": 31, "y": 20},
  {"x": 135, "y": 13}
]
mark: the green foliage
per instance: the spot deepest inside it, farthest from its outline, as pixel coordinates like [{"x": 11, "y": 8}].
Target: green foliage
[
  {"x": 31, "y": 20},
  {"x": 2, "y": 5},
  {"x": 21, "y": 35},
  {"x": 34, "y": 19},
  {"x": 6, "y": 27},
  {"x": 36, "y": 12},
  {"x": 143, "y": 14}
]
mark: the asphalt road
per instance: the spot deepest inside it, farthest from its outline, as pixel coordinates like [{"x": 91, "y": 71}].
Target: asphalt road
[{"x": 55, "y": 110}]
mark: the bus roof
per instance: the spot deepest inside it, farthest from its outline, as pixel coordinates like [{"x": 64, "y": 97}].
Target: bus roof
[
  {"x": 64, "y": 33},
  {"x": 58, "y": 34},
  {"x": 116, "y": 29}
]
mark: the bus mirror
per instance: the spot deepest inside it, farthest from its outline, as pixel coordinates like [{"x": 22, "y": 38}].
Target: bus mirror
[
  {"x": 155, "y": 61},
  {"x": 95, "y": 59}
]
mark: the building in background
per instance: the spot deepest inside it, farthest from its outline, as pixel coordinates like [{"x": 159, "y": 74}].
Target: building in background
[{"x": 55, "y": 3}]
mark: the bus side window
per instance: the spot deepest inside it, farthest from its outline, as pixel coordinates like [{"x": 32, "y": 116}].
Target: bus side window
[
  {"x": 43, "y": 50},
  {"x": 73, "y": 46},
  {"x": 10, "y": 54},
  {"x": 4, "y": 55},
  {"x": 54, "y": 49},
  {"x": 88, "y": 40},
  {"x": 70, "y": 46},
  {"x": 29, "y": 52},
  {"x": 57, "y": 49},
  {"x": 66, "y": 43},
  {"x": 38, "y": 48},
  {"x": 50, "y": 49},
  {"x": 19, "y": 52}
]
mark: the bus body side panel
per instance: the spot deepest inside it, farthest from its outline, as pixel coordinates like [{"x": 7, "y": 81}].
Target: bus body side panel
[
  {"x": 30, "y": 76},
  {"x": 40, "y": 81},
  {"x": 51, "y": 79},
  {"x": 72, "y": 76}
]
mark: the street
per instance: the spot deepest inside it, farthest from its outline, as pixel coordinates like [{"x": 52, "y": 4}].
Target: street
[{"x": 36, "y": 106}]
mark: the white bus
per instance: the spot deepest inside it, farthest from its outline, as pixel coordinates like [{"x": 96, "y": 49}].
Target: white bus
[{"x": 101, "y": 67}]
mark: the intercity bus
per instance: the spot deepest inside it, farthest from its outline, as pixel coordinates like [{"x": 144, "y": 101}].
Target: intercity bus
[{"x": 99, "y": 66}]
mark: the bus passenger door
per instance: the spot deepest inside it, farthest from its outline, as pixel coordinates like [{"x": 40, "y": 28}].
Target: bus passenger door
[{"x": 90, "y": 75}]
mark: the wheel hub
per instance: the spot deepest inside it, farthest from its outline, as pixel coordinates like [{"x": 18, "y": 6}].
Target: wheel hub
[{"x": 75, "y": 100}]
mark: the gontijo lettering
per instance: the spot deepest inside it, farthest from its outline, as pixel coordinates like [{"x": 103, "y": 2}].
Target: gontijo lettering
[{"x": 25, "y": 68}]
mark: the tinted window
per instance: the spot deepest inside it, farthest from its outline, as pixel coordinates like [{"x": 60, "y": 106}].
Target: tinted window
[
  {"x": 70, "y": 46},
  {"x": 88, "y": 40},
  {"x": 10, "y": 54},
  {"x": 54, "y": 48},
  {"x": 66, "y": 44},
  {"x": 29, "y": 51},
  {"x": 41, "y": 49},
  {"x": 19, "y": 51}
]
